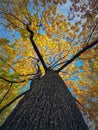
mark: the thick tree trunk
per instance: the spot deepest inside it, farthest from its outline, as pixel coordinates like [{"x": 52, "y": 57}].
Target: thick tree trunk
[{"x": 48, "y": 106}]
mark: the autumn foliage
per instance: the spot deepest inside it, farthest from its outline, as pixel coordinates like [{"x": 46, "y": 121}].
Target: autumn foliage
[{"x": 61, "y": 30}]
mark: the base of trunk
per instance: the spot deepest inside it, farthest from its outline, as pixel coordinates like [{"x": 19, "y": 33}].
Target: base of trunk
[{"x": 48, "y": 106}]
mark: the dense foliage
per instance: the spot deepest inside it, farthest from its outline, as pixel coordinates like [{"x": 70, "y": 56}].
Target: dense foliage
[{"x": 61, "y": 29}]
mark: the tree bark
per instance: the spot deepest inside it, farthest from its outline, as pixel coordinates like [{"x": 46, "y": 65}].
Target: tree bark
[{"x": 47, "y": 106}]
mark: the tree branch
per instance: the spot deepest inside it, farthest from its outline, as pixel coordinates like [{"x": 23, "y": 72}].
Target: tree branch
[
  {"x": 12, "y": 81},
  {"x": 31, "y": 38},
  {"x": 35, "y": 48},
  {"x": 13, "y": 16},
  {"x": 7, "y": 105},
  {"x": 91, "y": 33},
  {"x": 78, "y": 54},
  {"x": 6, "y": 93}
]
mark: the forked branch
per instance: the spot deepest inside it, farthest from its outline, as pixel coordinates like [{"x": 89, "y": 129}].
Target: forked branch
[{"x": 31, "y": 38}]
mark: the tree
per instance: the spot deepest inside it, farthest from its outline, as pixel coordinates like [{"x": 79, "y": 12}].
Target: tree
[
  {"x": 49, "y": 32},
  {"x": 48, "y": 103}
]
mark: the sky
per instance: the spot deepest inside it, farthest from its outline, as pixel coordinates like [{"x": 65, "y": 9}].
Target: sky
[
  {"x": 15, "y": 35},
  {"x": 11, "y": 35}
]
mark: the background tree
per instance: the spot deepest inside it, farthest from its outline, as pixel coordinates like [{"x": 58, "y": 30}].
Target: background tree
[{"x": 59, "y": 38}]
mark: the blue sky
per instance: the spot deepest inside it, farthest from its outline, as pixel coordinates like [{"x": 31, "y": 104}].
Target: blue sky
[
  {"x": 11, "y": 35},
  {"x": 6, "y": 33},
  {"x": 14, "y": 34}
]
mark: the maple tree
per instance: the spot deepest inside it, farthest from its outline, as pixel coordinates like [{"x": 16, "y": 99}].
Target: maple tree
[{"x": 58, "y": 44}]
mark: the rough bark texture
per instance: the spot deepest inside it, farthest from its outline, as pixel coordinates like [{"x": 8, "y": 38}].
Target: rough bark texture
[{"x": 48, "y": 106}]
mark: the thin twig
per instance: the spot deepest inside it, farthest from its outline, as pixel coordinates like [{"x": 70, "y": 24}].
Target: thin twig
[
  {"x": 61, "y": 58},
  {"x": 88, "y": 39},
  {"x": 17, "y": 18}
]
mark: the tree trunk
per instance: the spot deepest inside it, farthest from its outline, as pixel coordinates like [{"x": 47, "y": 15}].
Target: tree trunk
[{"x": 48, "y": 106}]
